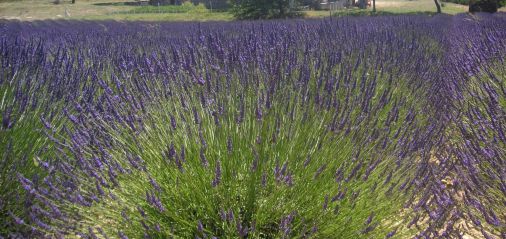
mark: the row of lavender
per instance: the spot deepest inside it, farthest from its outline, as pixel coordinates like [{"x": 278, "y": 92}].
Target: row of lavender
[
  {"x": 467, "y": 171},
  {"x": 337, "y": 129}
]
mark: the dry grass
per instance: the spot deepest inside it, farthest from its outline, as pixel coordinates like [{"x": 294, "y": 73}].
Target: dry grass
[
  {"x": 27, "y": 10},
  {"x": 399, "y": 6},
  {"x": 45, "y": 9}
]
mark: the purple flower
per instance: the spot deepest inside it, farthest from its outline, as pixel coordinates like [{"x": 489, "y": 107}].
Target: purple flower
[
  {"x": 141, "y": 211},
  {"x": 200, "y": 80},
  {"x": 229, "y": 145},
  {"x": 223, "y": 214},
  {"x": 319, "y": 171},
  {"x": 200, "y": 227},
  {"x": 173, "y": 122},
  {"x": 18, "y": 220},
  {"x": 241, "y": 230},
  {"x": 325, "y": 202},
  {"x": 286, "y": 224},
  {"x": 391, "y": 234},
  {"x": 369, "y": 219},
  {"x": 254, "y": 164},
  {"x": 230, "y": 215},
  {"x": 92, "y": 233},
  {"x": 125, "y": 216},
  {"x": 259, "y": 113},
  {"x": 217, "y": 174},
  {"x": 99, "y": 189},
  {"x": 7, "y": 122},
  {"x": 203, "y": 158},
  {"x": 196, "y": 116},
  {"x": 154, "y": 184},
  {"x": 264, "y": 179}
]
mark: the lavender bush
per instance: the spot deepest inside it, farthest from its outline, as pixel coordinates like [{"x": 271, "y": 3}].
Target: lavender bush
[{"x": 385, "y": 127}]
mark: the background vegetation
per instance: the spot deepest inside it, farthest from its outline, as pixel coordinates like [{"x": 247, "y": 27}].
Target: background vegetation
[{"x": 117, "y": 10}]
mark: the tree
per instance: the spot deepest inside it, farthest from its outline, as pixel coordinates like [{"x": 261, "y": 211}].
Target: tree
[
  {"x": 314, "y": 4},
  {"x": 438, "y": 6},
  {"x": 362, "y": 4},
  {"x": 263, "y": 9},
  {"x": 483, "y": 6}
]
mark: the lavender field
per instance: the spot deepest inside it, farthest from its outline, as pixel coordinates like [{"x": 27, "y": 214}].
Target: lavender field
[{"x": 353, "y": 127}]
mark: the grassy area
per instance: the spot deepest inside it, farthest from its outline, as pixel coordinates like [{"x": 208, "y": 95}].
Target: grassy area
[
  {"x": 101, "y": 10},
  {"x": 399, "y": 6},
  {"x": 44, "y": 9},
  {"x": 185, "y": 12},
  {"x": 185, "y": 8},
  {"x": 126, "y": 10},
  {"x": 176, "y": 17}
]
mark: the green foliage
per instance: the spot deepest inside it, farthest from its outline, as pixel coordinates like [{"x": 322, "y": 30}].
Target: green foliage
[
  {"x": 500, "y": 3},
  {"x": 21, "y": 147},
  {"x": 287, "y": 136},
  {"x": 264, "y": 9},
  {"x": 311, "y": 3}
]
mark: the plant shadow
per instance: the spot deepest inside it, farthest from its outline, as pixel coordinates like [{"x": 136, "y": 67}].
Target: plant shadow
[
  {"x": 116, "y": 4},
  {"x": 379, "y": 13}
]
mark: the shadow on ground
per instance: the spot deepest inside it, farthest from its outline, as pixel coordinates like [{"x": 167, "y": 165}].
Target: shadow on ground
[
  {"x": 379, "y": 13},
  {"x": 116, "y": 4}
]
